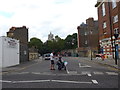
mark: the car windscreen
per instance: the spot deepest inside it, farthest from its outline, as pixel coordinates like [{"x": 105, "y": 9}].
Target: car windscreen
[{"x": 47, "y": 55}]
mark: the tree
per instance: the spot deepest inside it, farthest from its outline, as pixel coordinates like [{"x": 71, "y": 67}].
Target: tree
[
  {"x": 71, "y": 41},
  {"x": 36, "y": 43}
]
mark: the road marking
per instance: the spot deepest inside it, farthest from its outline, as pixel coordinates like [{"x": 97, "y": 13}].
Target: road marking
[
  {"x": 5, "y": 81},
  {"x": 20, "y": 73},
  {"x": 99, "y": 73},
  {"x": 112, "y": 73},
  {"x": 33, "y": 81},
  {"x": 37, "y": 81},
  {"x": 72, "y": 72},
  {"x": 95, "y": 81},
  {"x": 85, "y": 72},
  {"x": 63, "y": 81},
  {"x": 18, "y": 69},
  {"x": 89, "y": 75},
  {"x": 86, "y": 66},
  {"x": 67, "y": 71},
  {"x": 35, "y": 72},
  {"x": 58, "y": 74},
  {"x": 79, "y": 64}
]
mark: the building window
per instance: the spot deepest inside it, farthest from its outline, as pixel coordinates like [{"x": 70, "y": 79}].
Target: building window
[
  {"x": 116, "y": 31},
  {"x": 114, "y": 3},
  {"x": 85, "y": 33},
  {"x": 103, "y": 9},
  {"x": 86, "y": 42},
  {"x": 104, "y": 24},
  {"x": 115, "y": 19}
]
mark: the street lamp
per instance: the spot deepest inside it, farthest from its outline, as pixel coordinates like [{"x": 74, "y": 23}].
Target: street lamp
[
  {"x": 116, "y": 34},
  {"x": 91, "y": 42}
]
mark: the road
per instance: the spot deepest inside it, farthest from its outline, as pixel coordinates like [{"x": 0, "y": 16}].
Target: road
[{"x": 80, "y": 73}]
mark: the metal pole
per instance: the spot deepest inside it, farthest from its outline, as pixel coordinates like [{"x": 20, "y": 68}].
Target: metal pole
[
  {"x": 91, "y": 53},
  {"x": 115, "y": 53},
  {"x": 111, "y": 28}
]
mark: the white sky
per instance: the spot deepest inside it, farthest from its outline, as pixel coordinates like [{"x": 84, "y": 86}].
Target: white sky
[{"x": 61, "y": 17}]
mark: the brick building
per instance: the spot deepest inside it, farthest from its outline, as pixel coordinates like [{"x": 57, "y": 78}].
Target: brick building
[
  {"x": 20, "y": 33},
  {"x": 88, "y": 38},
  {"x": 109, "y": 23}
]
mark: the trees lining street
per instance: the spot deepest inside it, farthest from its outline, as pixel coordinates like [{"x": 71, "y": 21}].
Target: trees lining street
[{"x": 57, "y": 45}]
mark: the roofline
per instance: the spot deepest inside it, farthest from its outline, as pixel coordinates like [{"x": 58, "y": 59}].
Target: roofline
[{"x": 97, "y": 4}]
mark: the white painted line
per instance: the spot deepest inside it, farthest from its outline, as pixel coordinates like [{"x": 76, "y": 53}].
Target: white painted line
[
  {"x": 72, "y": 72},
  {"x": 33, "y": 81},
  {"x": 87, "y": 66},
  {"x": 99, "y": 73},
  {"x": 67, "y": 71},
  {"x": 89, "y": 75},
  {"x": 36, "y": 73},
  {"x": 4, "y": 81},
  {"x": 21, "y": 73},
  {"x": 63, "y": 81},
  {"x": 85, "y": 72},
  {"x": 79, "y": 65},
  {"x": 95, "y": 81},
  {"x": 112, "y": 73}
]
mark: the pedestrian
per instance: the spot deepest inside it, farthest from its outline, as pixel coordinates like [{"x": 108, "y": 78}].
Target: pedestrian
[{"x": 52, "y": 61}]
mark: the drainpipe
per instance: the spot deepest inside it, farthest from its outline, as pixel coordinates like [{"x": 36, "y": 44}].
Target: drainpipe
[{"x": 111, "y": 27}]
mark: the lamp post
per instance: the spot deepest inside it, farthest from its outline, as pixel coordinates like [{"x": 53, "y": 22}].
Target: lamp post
[
  {"x": 91, "y": 42},
  {"x": 116, "y": 34}
]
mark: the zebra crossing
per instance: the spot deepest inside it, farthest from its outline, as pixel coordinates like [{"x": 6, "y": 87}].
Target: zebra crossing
[{"x": 67, "y": 73}]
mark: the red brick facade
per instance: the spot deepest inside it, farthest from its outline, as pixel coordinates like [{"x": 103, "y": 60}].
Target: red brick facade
[
  {"x": 107, "y": 25},
  {"x": 88, "y": 38}
]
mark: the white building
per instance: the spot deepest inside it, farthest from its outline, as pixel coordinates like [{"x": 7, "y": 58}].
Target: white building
[
  {"x": 9, "y": 52},
  {"x": 50, "y": 36}
]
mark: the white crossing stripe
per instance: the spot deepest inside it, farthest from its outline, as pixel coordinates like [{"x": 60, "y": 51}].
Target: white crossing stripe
[
  {"x": 89, "y": 75},
  {"x": 37, "y": 81},
  {"x": 67, "y": 71},
  {"x": 95, "y": 81},
  {"x": 35, "y": 72},
  {"x": 5, "y": 81},
  {"x": 85, "y": 72},
  {"x": 112, "y": 73},
  {"x": 99, "y": 73},
  {"x": 64, "y": 81},
  {"x": 72, "y": 72},
  {"x": 30, "y": 81},
  {"x": 84, "y": 65}
]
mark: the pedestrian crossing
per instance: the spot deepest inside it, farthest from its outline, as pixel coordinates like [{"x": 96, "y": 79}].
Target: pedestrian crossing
[{"x": 88, "y": 73}]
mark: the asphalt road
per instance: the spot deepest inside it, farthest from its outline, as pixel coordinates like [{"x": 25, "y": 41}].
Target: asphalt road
[{"x": 80, "y": 73}]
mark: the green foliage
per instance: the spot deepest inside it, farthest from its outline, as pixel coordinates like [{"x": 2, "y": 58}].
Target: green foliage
[
  {"x": 57, "y": 45},
  {"x": 36, "y": 43},
  {"x": 71, "y": 41}
]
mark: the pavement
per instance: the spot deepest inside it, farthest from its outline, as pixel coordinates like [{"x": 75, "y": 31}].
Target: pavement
[
  {"x": 108, "y": 62},
  {"x": 19, "y": 66}
]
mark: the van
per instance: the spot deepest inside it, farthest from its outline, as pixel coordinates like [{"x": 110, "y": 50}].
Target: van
[{"x": 47, "y": 56}]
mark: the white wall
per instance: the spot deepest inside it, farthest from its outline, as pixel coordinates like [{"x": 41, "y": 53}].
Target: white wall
[
  {"x": 0, "y": 53},
  {"x": 10, "y": 52}
]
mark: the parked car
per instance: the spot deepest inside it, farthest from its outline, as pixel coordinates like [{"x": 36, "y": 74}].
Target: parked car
[
  {"x": 99, "y": 56},
  {"x": 47, "y": 56}
]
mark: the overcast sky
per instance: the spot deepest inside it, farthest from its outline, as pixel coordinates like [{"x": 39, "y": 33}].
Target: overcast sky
[{"x": 61, "y": 17}]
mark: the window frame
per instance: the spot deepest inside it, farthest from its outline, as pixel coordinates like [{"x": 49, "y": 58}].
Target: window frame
[
  {"x": 104, "y": 25},
  {"x": 115, "y": 18},
  {"x": 114, "y": 4},
  {"x": 103, "y": 9}
]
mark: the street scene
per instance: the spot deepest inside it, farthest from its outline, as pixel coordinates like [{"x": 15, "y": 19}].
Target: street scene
[
  {"x": 80, "y": 73},
  {"x": 59, "y": 44}
]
